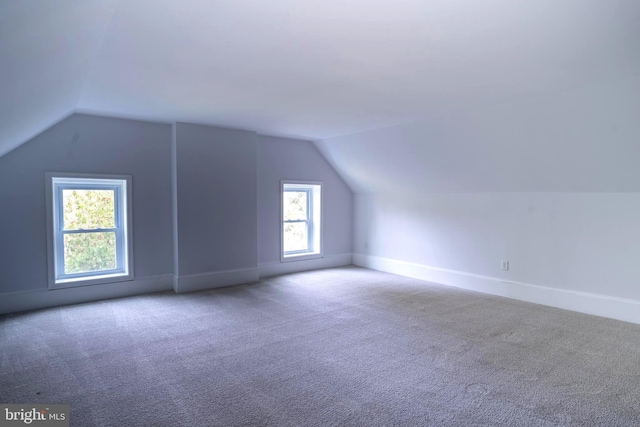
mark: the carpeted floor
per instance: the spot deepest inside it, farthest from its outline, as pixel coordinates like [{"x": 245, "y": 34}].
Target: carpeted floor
[{"x": 337, "y": 347}]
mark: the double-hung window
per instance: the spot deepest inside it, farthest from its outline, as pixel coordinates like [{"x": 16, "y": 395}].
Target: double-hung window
[
  {"x": 301, "y": 220},
  {"x": 89, "y": 218}
]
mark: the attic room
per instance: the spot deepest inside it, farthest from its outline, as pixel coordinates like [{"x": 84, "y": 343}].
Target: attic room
[{"x": 305, "y": 213}]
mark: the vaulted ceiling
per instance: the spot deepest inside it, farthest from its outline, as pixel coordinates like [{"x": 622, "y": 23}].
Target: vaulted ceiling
[{"x": 312, "y": 69}]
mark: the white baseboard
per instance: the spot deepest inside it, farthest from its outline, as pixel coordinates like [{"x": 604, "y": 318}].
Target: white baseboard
[
  {"x": 214, "y": 279},
  {"x": 268, "y": 269},
  {"x": 600, "y": 305},
  {"x": 12, "y": 302}
]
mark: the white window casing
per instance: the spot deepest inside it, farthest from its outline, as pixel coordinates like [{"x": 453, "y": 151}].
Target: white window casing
[
  {"x": 309, "y": 224},
  {"x": 120, "y": 187}
]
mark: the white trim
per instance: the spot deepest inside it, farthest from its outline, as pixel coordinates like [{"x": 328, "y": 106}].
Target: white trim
[
  {"x": 317, "y": 220},
  {"x": 275, "y": 268},
  {"x": 627, "y": 310},
  {"x": 305, "y": 256},
  {"x": 123, "y": 228},
  {"x": 12, "y": 302},
  {"x": 214, "y": 279}
]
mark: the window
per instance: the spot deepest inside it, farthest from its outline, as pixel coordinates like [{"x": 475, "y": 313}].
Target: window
[
  {"x": 301, "y": 220},
  {"x": 89, "y": 229}
]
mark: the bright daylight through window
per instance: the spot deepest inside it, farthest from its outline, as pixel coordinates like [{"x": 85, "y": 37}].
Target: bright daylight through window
[
  {"x": 89, "y": 230},
  {"x": 301, "y": 220}
]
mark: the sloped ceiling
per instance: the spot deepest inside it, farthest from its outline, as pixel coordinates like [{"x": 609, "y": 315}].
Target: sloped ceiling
[
  {"x": 312, "y": 69},
  {"x": 46, "y": 51},
  {"x": 580, "y": 140}
]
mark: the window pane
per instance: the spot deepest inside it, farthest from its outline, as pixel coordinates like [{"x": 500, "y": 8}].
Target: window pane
[
  {"x": 87, "y": 209},
  {"x": 296, "y": 237},
  {"x": 295, "y": 205},
  {"x": 87, "y": 252}
]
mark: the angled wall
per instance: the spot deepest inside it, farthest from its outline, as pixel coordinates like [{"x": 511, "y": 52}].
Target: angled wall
[{"x": 550, "y": 184}]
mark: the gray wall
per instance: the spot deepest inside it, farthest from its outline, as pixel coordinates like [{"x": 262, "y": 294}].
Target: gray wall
[
  {"x": 585, "y": 242},
  {"x": 216, "y": 199},
  {"x": 280, "y": 158},
  {"x": 199, "y": 194},
  {"x": 85, "y": 144}
]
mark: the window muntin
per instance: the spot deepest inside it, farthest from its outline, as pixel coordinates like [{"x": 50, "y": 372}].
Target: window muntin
[
  {"x": 90, "y": 239},
  {"x": 301, "y": 219}
]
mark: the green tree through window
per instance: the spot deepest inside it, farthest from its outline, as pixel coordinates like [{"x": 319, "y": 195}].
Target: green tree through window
[
  {"x": 90, "y": 229},
  {"x": 85, "y": 210}
]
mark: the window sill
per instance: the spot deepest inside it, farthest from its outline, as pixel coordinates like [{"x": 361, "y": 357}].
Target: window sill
[
  {"x": 91, "y": 280},
  {"x": 300, "y": 257}
]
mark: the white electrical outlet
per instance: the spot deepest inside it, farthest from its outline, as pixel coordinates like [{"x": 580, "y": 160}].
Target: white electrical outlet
[{"x": 505, "y": 265}]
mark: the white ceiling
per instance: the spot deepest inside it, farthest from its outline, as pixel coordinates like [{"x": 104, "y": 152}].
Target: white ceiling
[
  {"x": 579, "y": 140},
  {"x": 311, "y": 69}
]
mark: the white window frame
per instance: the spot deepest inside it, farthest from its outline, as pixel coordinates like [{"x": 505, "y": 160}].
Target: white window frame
[
  {"x": 315, "y": 216},
  {"x": 121, "y": 185}
]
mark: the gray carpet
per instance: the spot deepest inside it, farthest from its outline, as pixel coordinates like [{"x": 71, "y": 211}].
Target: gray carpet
[{"x": 337, "y": 347}]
